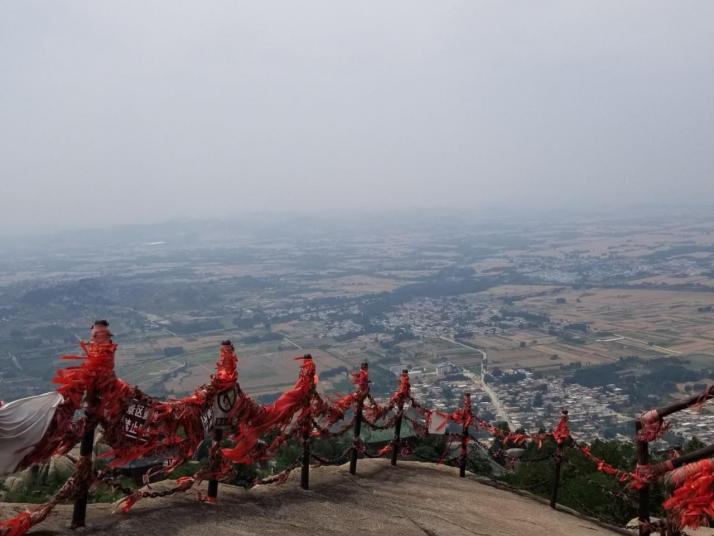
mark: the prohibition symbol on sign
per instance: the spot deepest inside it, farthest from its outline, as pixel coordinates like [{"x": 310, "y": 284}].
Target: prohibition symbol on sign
[{"x": 227, "y": 399}]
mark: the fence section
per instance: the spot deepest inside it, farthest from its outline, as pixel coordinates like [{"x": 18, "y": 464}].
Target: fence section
[{"x": 137, "y": 426}]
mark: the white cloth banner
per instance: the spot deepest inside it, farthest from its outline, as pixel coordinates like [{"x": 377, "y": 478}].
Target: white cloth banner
[
  {"x": 23, "y": 423},
  {"x": 439, "y": 423}
]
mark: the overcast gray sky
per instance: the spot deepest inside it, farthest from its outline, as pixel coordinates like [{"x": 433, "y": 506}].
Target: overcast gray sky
[{"x": 115, "y": 112}]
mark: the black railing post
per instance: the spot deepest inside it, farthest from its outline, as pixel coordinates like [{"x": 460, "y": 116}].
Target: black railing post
[
  {"x": 355, "y": 439},
  {"x": 396, "y": 442},
  {"x": 306, "y": 424},
  {"x": 79, "y": 513},
  {"x": 556, "y": 477},
  {"x": 643, "y": 459},
  {"x": 84, "y": 475},
  {"x": 358, "y": 428},
  {"x": 213, "y": 483},
  {"x": 305, "y": 471},
  {"x": 465, "y": 436},
  {"x": 558, "y": 462}
]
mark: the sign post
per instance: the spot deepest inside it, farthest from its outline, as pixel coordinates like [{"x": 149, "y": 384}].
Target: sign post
[
  {"x": 358, "y": 426},
  {"x": 222, "y": 406},
  {"x": 306, "y": 423},
  {"x": 643, "y": 459},
  {"x": 84, "y": 472},
  {"x": 396, "y": 442},
  {"x": 465, "y": 436},
  {"x": 558, "y": 462}
]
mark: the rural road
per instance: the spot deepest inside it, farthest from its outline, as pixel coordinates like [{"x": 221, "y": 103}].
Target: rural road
[
  {"x": 501, "y": 413},
  {"x": 296, "y": 345}
]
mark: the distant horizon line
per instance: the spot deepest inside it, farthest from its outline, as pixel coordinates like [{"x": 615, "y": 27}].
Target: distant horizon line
[{"x": 347, "y": 215}]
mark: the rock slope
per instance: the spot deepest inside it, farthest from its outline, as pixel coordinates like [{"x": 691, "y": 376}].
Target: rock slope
[{"x": 411, "y": 499}]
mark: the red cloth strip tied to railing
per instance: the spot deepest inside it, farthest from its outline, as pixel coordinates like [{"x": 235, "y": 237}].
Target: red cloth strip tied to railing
[
  {"x": 463, "y": 416},
  {"x": 562, "y": 432},
  {"x": 511, "y": 438},
  {"x": 275, "y": 416},
  {"x": 653, "y": 426},
  {"x": 692, "y": 503},
  {"x": 360, "y": 379}
]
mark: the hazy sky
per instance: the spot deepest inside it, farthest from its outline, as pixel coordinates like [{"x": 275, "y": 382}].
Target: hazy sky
[{"x": 113, "y": 112}]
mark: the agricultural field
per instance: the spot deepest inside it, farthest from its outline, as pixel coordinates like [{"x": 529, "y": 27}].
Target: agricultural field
[
  {"x": 354, "y": 285},
  {"x": 621, "y": 322},
  {"x": 540, "y": 351}
]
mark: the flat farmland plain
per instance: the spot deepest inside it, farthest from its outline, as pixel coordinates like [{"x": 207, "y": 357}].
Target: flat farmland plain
[
  {"x": 632, "y": 321},
  {"x": 540, "y": 351}
]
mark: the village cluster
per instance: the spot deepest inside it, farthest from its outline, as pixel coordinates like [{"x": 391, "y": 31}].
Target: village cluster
[{"x": 532, "y": 404}]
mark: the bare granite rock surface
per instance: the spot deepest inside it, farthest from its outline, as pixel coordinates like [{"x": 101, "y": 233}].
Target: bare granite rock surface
[{"x": 410, "y": 499}]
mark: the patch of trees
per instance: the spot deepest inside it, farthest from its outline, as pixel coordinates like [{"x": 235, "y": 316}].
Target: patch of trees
[
  {"x": 266, "y": 337},
  {"x": 512, "y": 377},
  {"x": 197, "y": 326},
  {"x": 457, "y": 376},
  {"x": 465, "y": 334},
  {"x": 331, "y": 373},
  {"x": 569, "y": 338},
  {"x": 83, "y": 291},
  {"x": 644, "y": 381},
  {"x": 583, "y": 487},
  {"x": 536, "y": 318},
  {"x": 538, "y": 400},
  {"x": 171, "y": 351},
  {"x": 578, "y": 326},
  {"x": 21, "y": 342},
  {"x": 695, "y": 387},
  {"x": 255, "y": 283},
  {"x": 347, "y": 336},
  {"x": 678, "y": 250},
  {"x": 670, "y": 375},
  {"x": 383, "y": 381},
  {"x": 449, "y": 282},
  {"x": 53, "y": 332},
  {"x": 597, "y": 375},
  {"x": 251, "y": 319},
  {"x": 603, "y": 333},
  {"x": 403, "y": 334}
]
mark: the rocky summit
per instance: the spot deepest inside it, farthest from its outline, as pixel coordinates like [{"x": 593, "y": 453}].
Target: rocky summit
[{"x": 410, "y": 499}]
